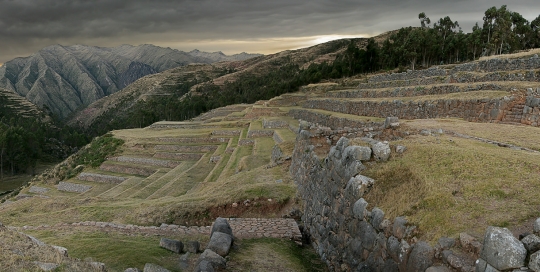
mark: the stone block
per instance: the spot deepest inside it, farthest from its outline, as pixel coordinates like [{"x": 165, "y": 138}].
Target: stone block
[
  {"x": 381, "y": 151},
  {"x": 534, "y": 261},
  {"x": 531, "y": 243},
  {"x": 421, "y": 257},
  {"x": 502, "y": 250},
  {"x": 221, "y": 225},
  {"x": 359, "y": 208},
  {"x": 150, "y": 267},
  {"x": 172, "y": 245},
  {"x": 220, "y": 243}
]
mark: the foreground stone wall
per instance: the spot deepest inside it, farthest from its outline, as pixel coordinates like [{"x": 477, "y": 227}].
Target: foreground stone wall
[{"x": 346, "y": 235}]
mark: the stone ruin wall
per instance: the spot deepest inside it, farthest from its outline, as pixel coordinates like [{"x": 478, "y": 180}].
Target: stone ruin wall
[
  {"x": 344, "y": 233},
  {"x": 492, "y": 65},
  {"x": 521, "y": 108}
]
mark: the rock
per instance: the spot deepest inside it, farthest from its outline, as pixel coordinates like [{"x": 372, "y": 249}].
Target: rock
[
  {"x": 502, "y": 250},
  {"x": 399, "y": 227},
  {"x": 391, "y": 122},
  {"x": 221, "y": 225},
  {"x": 400, "y": 149},
  {"x": 534, "y": 261},
  {"x": 446, "y": 243},
  {"x": 359, "y": 208},
  {"x": 46, "y": 266},
  {"x": 381, "y": 151},
  {"x": 438, "y": 269},
  {"x": 536, "y": 226},
  {"x": 470, "y": 243},
  {"x": 183, "y": 262},
  {"x": 421, "y": 257},
  {"x": 62, "y": 250},
  {"x": 360, "y": 153},
  {"x": 393, "y": 248},
  {"x": 193, "y": 246},
  {"x": 220, "y": 243},
  {"x": 460, "y": 263},
  {"x": 213, "y": 258},
  {"x": 150, "y": 267},
  {"x": 358, "y": 185},
  {"x": 531, "y": 243},
  {"x": 480, "y": 265},
  {"x": 204, "y": 266},
  {"x": 101, "y": 266},
  {"x": 377, "y": 216},
  {"x": 172, "y": 245},
  {"x": 425, "y": 132},
  {"x": 132, "y": 269}
]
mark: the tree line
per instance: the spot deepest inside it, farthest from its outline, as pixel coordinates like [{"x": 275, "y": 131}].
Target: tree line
[{"x": 25, "y": 140}]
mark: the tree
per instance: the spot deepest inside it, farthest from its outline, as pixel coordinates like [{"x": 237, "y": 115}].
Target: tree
[
  {"x": 445, "y": 27},
  {"x": 424, "y": 20},
  {"x": 474, "y": 39}
]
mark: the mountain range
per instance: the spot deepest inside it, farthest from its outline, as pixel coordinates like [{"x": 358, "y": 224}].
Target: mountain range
[{"x": 65, "y": 79}]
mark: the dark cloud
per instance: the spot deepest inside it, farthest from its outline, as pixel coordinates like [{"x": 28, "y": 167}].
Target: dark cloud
[{"x": 229, "y": 25}]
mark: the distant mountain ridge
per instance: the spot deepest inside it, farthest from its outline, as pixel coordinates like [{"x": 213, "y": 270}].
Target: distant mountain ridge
[
  {"x": 67, "y": 78},
  {"x": 219, "y": 56}
]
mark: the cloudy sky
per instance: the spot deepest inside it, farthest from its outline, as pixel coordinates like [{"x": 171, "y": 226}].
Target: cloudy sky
[{"x": 231, "y": 26}]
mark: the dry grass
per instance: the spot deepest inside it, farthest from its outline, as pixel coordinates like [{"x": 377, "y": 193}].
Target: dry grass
[
  {"x": 525, "y": 54},
  {"x": 519, "y": 135},
  {"x": 447, "y": 185},
  {"x": 18, "y": 253}
]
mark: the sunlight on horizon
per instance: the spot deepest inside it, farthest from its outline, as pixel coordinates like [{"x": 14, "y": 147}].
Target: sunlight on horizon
[{"x": 262, "y": 46}]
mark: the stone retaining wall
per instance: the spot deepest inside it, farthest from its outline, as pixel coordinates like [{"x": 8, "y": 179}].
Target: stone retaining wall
[
  {"x": 492, "y": 65},
  {"x": 179, "y": 156},
  {"x": 431, "y": 72},
  {"x": 187, "y": 148},
  {"x": 509, "y": 108},
  {"x": 100, "y": 178},
  {"x": 245, "y": 142},
  {"x": 327, "y": 120},
  {"x": 226, "y": 132},
  {"x": 260, "y": 133},
  {"x": 415, "y": 91},
  {"x": 274, "y": 124},
  {"x": 481, "y": 110},
  {"x": 145, "y": 161},
  {"x": 277, "y": 138},
  {"x": 72, "y": 187},
  {"x": 193, "y": 140},
  {"x": 127, "y": 170}
]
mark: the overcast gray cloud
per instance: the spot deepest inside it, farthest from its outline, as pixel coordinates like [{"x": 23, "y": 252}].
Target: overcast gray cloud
[{"x": 231, "y": 26}]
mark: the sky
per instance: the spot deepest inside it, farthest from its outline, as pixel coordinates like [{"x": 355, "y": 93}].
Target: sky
[{"x": 230, "y": 26}]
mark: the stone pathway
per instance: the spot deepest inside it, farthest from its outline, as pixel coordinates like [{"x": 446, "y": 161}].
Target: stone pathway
[
  {"x": 242, "y": 228},
  {"x": 514, "y": 147}
]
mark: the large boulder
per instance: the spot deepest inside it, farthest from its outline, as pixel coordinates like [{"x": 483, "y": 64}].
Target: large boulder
[
  {"x": 421, "y": 257},
  {"x": 172, "y": 245},
  {"x": 220, "y": 243},
  {"x": 531, "y": 243},
  {"x": 360, "y": 153},
  {"x": 502, "y": 250},
  {"x": 221, "y": 225},
  {"x": 213, "y": 258},
  {"x": 381, "y": 151}
]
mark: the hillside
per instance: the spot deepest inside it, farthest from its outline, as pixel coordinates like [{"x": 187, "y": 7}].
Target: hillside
[
  {"x": 12, "y": 105},
  {"x": 68, "y": 78},
  {"x": 172, "y": 87}
]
